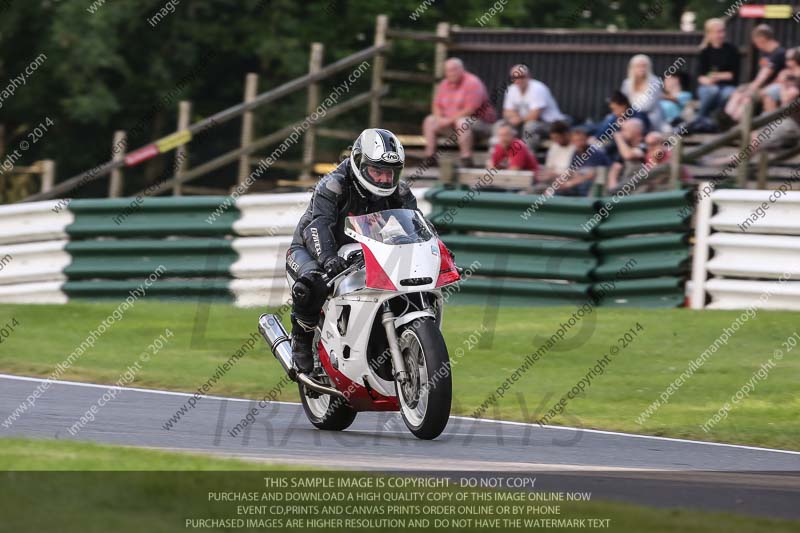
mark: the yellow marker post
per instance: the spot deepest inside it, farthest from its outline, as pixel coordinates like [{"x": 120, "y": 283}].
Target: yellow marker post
[
  {"x": 173, "y": 141},
  {"x": 778, "y": 11}
]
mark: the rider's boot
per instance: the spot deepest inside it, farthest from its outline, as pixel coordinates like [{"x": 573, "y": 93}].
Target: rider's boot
[{"x": 302, "y": 345}]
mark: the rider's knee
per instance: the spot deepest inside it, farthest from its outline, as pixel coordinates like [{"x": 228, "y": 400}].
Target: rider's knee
[{"x": 308, "y": 294}]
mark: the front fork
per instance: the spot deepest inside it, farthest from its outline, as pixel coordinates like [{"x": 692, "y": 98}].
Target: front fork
[{"x": 387, "y": 319}]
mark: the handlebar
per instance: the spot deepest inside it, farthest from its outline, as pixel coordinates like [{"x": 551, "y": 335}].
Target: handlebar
[{"x": 355, "y": 262}]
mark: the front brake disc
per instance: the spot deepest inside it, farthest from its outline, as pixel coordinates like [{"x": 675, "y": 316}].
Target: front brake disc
[{"x": 411, "y": 386}]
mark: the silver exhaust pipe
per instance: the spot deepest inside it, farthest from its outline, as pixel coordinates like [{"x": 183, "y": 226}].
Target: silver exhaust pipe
[
  {"x": 278, "y": 341},
  {"x": 280, "y": 345},
  {"x": 308, "y": 382}
]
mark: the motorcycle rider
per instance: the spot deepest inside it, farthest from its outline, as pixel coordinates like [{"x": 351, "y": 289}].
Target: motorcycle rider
[{"x": 367, "y": 182}]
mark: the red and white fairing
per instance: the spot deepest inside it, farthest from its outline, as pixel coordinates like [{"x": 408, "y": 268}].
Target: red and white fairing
[{"x": 402, "y": 254}]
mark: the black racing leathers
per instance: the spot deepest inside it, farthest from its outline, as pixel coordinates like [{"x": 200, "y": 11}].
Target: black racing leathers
[
  {"x": 320, "y": 232},
  {"x": 321, "y": 228}
]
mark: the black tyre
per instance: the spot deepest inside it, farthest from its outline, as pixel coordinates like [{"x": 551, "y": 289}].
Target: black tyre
[
  {"x": 425, "y": 400},
  {"x": 326, "y": 412}
]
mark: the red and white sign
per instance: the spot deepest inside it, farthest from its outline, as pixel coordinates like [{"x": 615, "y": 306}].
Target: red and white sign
[
  {"x": 142, "y": 154},
  {"x": 772, "y": 11}
]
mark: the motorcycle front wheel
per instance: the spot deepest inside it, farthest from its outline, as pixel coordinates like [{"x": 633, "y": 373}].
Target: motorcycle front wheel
[{"x": 426, "y": 397}]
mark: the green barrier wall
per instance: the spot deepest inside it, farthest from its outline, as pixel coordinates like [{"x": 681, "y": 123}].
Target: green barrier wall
[
  {"x": 625, "y": 251},
  {"x": 496, "y": 292},
  {"x": 453, "y": 210},
  {"x": 191, "y": 289},
  {"x": 153, "y": 217},
  {"x": 132, "y": 258},
  {"x": 525, "y": 258},
  {"x": 115, "y": 244},
  {"x": 645, "y": 213},
  {"x": 654, "y": 255},
  {"x": 531, "y": 251},
  {"x": 650, "y": 292}
]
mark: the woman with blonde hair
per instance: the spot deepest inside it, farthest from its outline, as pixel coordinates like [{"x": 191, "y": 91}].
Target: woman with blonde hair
[
  {"x": 643, "y": 89},
  {"x": 717, "y": 69}
]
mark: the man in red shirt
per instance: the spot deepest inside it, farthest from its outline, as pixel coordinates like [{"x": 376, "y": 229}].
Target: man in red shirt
[
  {"x": 511, "y": 153},
  {"x": 461, "y": 109}
]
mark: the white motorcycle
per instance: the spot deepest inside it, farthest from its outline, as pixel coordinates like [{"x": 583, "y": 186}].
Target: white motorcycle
[{"x": 378, "y": 345}]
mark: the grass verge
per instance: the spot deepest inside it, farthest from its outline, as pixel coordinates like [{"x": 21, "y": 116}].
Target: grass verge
[
  {"x": 666, "y": 340},
  {"x": 169, "y": 488}
]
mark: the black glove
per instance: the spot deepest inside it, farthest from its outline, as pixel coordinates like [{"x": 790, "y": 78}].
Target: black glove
[{"x": 334, "y": 266}]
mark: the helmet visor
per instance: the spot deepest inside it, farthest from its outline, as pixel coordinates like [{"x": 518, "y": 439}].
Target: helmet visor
[{"x": 383, "y": 176}]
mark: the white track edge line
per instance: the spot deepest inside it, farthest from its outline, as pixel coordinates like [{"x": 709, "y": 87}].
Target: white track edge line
[
  {"x": 486, "y": 420},
  {"x": 134, "y": 389},
  {"x": 636, "y": 435}
]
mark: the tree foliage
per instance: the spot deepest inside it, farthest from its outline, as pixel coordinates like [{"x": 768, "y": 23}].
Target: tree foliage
[{"x": 107, "y": 67}]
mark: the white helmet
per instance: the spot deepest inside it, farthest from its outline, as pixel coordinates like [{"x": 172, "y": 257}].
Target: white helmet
[{"x": 377, "y": 161}]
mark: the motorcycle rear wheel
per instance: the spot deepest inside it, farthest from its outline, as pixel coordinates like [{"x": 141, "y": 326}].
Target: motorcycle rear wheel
[
  {"x": 325, "y": 412},
  {"x": 426, "y": 399}
]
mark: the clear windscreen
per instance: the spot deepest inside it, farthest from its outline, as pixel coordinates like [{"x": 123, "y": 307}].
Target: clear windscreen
[{"x": 393, "y": 226}]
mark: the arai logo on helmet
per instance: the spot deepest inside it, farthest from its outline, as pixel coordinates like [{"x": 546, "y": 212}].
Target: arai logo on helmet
[{"x": 390, "y": 157}]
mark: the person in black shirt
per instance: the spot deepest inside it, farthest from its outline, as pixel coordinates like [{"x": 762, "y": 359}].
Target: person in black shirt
[
  {"x": 718, "y": 69},
  {"x": 782, "y": 90},
  {"x": 772, "y": 59}
]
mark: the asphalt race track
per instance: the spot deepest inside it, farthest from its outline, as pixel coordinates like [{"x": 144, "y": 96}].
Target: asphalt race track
[{"x": 649, "y": 470}]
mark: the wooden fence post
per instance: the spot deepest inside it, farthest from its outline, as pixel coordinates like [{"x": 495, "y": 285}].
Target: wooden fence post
[
  {"x": 675, "y": 161},
  {"x": 762, "y": 169},
  {"x": 310, "y": 136},
  {"x": 116, "y": 183},
  {"x": 378, "y": 66},
  {"x": 250, "y": 92},
  {"x": 440, "y": 53},
  {"x": 182, "y": 152},
  {"x": 48, "y": 169},
  {"x": 747, "y": 127},
  {"x": 600, "y": 179},
  {"x": 448, "y": 174}
]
